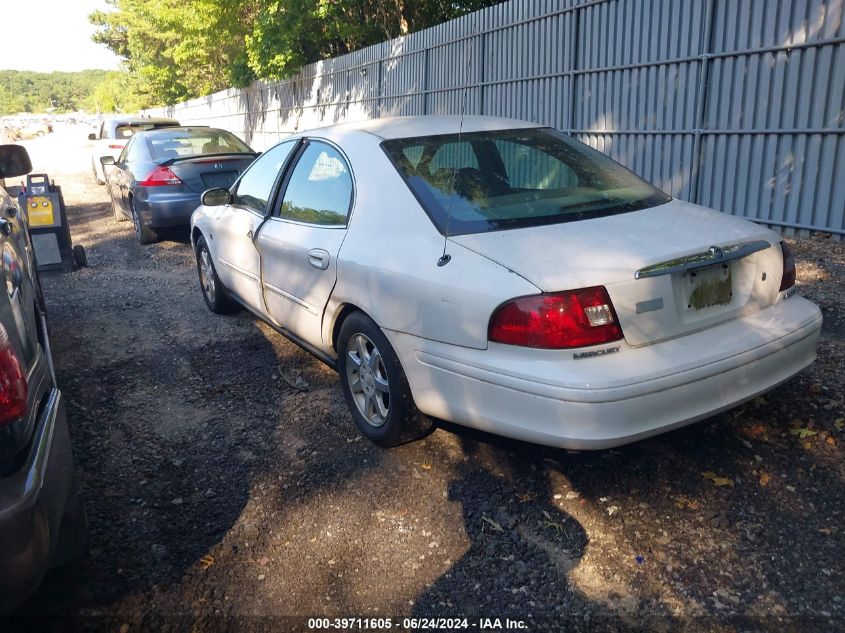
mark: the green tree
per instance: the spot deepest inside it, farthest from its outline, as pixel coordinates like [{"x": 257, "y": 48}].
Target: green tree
[
  {"x": 290, "y": 33},
  {"x": 178, "y": 49},
  {"x": 65, "y": 92}
]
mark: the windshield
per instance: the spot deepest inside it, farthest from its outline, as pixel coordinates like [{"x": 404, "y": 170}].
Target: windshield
[
  {"x": 195, "y": 142},
  {"x": 505, "y": 179}
]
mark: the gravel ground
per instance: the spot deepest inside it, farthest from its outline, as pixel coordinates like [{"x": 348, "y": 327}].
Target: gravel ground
[{"x": 222, "y": 498}]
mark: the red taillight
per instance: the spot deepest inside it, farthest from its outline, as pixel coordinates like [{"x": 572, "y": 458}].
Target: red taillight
[
  {"x": 161, "y": 176},
  {"x": 13, "y": 386},
  {"x": 575, "y": 318},
  {"x": 787, "y": 280}
]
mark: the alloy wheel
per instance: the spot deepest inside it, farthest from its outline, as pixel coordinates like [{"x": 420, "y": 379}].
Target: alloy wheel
[
  {"x": 136, "y": 222},
  {"x": 367, "y": 378},
  {"x": 207, "y": 275}
]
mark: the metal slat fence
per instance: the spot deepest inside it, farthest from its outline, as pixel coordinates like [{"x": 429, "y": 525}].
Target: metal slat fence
[{"x": 734, "y": 104}]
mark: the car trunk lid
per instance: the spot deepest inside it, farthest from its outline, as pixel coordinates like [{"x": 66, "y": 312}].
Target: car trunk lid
[
  {"x": 208, "y": 172},
  {"x": 657, "y": 265}
]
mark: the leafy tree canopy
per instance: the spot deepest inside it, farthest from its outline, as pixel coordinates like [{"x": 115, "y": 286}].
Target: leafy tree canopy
[
  {"x": 179, "y": 49},
  {"x": 89, "y": 90}
]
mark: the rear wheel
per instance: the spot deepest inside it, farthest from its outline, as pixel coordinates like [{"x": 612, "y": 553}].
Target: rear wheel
[
  {"x": 73, "y": 531},
  {"x": 143, "y": 233},
  {"x": 216, "y": 298},
  {"x": 375, "y": 386}
]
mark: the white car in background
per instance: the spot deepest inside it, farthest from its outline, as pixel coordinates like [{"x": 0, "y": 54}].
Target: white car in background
[
  {"x": 502, "y": 276},
  {"x": 112, "y": 135}
]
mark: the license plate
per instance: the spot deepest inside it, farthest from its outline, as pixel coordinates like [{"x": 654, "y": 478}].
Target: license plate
[
  {"x": 219, "y": 179},
  {"x": 710, "y": 286}
]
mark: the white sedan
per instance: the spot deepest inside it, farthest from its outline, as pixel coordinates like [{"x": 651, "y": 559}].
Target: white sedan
[{"x": 503, "y": 276}]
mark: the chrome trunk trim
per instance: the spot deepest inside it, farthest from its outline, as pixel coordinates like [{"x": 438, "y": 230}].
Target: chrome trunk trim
[{"x": 714, "y": 255}]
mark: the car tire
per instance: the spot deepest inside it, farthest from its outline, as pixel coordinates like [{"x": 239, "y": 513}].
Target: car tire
[
  {"x": 73, "y": 531},
  {"x": 143, "y": 233},
  {"x": 118, "y": 214},
  {"x": 96, "y": 173},
  {"x": 216, "y": 297},
  {"x": 375, "y": 386}
]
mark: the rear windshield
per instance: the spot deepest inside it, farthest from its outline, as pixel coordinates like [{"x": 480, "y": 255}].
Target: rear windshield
[
  {"x": 505, "y": 179},
  {"x": 196, "y": 142},
  {"x": 125, "y": 131}
]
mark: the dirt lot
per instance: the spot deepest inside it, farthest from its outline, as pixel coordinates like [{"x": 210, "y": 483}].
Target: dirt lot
[{"x": 222, "y": 498}]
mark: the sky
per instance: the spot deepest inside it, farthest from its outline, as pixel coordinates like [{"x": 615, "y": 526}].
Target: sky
[{"x": 47, "y": 35}]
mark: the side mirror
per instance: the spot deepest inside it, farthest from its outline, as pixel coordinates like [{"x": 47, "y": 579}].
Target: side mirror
[
  {"x": 14, "y": 161},
  {"x": 107, "y": 160},
  {"x": 215, "y": 197},
  {"x": 92, "y": 137}
]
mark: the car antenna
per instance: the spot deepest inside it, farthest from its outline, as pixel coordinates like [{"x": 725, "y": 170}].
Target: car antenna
[{"x": 445, "y": 258}]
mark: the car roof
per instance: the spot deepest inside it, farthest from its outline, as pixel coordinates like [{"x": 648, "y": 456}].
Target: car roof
[
  {"x": 129, "y": 120},
  {"x": 115, "y": 123},
  {"x": 181, "y": 128},
  {"x": 428, "y": 125}
]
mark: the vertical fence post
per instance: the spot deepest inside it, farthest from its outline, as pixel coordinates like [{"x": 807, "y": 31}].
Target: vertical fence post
[
  {"x": 701, "y": 102},
  {"x": 481, "y": 75},
  {"x": 348, "y": 95},
  {"x": 573, "y": 65},
  {"x": 425, "y": 80},
  {"x": 378, "y": 102},
  {"x": 248, "y": 116}
]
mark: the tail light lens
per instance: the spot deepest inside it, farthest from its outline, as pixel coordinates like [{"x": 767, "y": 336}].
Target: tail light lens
[
  {"x": 13, "y": 387},
  {"x": 787, "y": 280},
  {"x": 161, "y": 176},
  {"x": 575, "y": 318}
]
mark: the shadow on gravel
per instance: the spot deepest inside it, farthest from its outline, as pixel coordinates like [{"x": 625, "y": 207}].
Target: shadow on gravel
[
  {"x": 167, "y": 432},
  {"x": 519, "y": 556},
  {"x": 742, "y": 555}
]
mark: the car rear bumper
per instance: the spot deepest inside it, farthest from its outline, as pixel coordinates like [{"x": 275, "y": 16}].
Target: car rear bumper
[
  {"x": 549, "y": 397},
  {"x": 32, "y": 503},
  {"x": 162, "y": 209}
]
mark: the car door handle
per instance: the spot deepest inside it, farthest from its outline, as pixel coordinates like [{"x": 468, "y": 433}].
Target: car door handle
[{"x": 318, "y": 258}]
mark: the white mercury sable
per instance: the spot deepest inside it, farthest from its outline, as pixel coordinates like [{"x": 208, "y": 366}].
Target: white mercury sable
[{"x": 502, "y": 276}]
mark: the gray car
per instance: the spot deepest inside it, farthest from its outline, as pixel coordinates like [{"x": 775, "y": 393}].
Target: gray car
[
  {"x": 158, "y": 178},
  {"x": 42, "y": 518}
]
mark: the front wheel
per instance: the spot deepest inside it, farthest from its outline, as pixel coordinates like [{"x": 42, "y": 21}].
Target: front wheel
[
  {"x": 212, "y": 289},
  {"x": 375, "y": 386},
  {"x": 118, "y": 214}
]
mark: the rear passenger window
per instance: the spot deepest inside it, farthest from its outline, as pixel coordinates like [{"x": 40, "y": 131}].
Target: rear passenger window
[
  {"x": 136, "y": 151},
  {"x": 124, "y": 155},
  {"x": 320, "y": 188}
]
